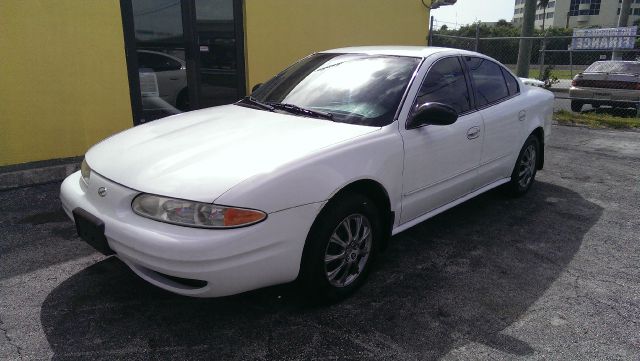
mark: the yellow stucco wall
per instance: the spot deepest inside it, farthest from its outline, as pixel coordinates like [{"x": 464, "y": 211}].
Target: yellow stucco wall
[
  {"x": 63, "y": 78},
  {"x": 278, "y": 32}
]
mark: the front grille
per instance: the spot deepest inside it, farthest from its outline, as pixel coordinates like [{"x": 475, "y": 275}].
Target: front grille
[{"x": 183, "y": 281}]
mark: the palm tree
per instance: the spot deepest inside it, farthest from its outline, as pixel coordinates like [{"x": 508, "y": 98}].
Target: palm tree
[{"x": 542, "y": 4}]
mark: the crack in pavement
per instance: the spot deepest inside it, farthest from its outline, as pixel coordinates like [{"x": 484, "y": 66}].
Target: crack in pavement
[{"x": 10, "y": 341}]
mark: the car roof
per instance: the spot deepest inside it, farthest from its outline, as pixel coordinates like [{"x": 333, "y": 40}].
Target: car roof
[
  {"x": 161, "y": 54},
  {"x": 618, "y": 61},
  {"x": 414, "y": 51}
]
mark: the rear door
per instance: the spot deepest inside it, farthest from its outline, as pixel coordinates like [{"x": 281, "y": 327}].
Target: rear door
[{"x": 503, "y": 112}]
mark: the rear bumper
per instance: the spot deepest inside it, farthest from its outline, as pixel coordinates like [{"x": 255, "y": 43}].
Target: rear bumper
[
  {"x": 229, "y": 261},
  {"x": 605, "y": 96}
]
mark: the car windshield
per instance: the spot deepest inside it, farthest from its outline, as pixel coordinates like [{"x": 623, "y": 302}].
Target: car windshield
[
  {"x": 351, "y": 88},
  {"x": 619, "y": 67}
]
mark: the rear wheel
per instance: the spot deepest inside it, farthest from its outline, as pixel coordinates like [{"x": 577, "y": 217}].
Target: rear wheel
[
  {"x": 524, "y": 172},
  {"x": 340, "y": 248},
  {"x": 576, "y": 106}
]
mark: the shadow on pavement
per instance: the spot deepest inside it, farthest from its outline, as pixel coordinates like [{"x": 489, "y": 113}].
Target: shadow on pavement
[
  {"x": 463, "y": 276},
  {"x": 35, "y": 233}
]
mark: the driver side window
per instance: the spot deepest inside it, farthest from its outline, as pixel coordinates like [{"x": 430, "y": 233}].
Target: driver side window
[{"x": 445, "y": 83}]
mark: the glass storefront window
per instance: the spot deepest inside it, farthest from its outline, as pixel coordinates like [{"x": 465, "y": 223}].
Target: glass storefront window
[{"x": 161, "y": 47}]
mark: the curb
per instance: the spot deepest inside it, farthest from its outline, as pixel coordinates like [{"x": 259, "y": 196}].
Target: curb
[{"x": 36, "y": 173}]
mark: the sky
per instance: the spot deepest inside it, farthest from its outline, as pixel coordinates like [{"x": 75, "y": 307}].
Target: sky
[{"x": 469, "y": 11}]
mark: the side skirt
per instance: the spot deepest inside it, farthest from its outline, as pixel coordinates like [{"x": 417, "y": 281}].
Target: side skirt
[{"x": 447, "y": 206}]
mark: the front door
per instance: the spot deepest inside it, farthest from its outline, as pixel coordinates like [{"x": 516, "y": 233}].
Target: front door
[
  {"x": 183, "y": 55},
  {"x": 441, "y": 161}
]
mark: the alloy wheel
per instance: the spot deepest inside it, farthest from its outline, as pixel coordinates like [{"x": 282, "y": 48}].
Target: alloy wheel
[
  {"x": 348, "y": 250},
  {"x": 527, "y": 166}
]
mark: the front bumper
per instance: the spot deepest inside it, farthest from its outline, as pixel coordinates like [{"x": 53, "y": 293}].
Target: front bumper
[{"x": 229, "y": 260}]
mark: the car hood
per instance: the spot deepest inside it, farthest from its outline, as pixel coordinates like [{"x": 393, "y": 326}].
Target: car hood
[{"x": 201, "y": 154}]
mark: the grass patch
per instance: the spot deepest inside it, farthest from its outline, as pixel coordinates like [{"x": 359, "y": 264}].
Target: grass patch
[
  {"x": 558, "y": 73},
  {"x": 534, "y": 72},
  {"x": 598, "y": 119}
]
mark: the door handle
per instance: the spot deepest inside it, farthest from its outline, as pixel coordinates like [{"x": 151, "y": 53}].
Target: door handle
[
  {"x": 473, "y": 132},
  {"x": 522, "y": 115}
]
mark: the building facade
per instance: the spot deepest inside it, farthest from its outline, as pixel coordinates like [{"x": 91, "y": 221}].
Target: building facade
[
  {"x": 74, "y": 72},
  {"x": 578, "y": 13}
]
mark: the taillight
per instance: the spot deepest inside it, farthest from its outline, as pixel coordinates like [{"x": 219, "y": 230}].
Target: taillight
[{"x": 577, "y": 80}]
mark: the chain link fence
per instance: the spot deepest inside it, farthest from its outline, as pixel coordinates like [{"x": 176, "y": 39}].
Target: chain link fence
[{"x": 553, "y": 61}]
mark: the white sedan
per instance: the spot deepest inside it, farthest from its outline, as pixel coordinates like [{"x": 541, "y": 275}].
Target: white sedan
[{"x": 308, "y": 178}]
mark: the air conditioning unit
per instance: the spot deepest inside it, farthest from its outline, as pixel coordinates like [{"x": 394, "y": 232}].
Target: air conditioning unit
[{"x": 438, "y": 3}]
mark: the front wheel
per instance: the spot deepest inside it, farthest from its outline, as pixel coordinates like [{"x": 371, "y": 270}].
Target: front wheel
[
  {"x": 340, "y": 248},
  {"x": 524, "y": 172}
]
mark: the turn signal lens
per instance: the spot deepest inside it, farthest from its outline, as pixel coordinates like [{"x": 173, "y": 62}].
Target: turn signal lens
[
  {"x": 234, "y": 217},
  {"x": 194, "y": 214}
]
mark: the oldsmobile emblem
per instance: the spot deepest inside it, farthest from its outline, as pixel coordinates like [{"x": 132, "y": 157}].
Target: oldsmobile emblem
[{"x": 102, "y": 191}]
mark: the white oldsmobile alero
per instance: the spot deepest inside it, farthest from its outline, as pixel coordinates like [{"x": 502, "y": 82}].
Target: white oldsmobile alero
[{"x": 307, "y": 178}]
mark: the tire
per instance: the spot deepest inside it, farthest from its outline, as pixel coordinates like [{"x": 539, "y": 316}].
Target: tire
[
  {"x": 329, "y": 281},
  {"x": 524, "y": 172},
  {"x": 576, "y": 106}
]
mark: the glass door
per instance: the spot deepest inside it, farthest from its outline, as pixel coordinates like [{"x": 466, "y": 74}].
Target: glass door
[
  {"x": 221, "y": 51},
  {"x": 182, "y": 55}
]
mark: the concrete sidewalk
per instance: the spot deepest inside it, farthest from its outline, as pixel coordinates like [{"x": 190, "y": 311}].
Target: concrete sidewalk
[
  {"x": 34, "y": 173},
  {"x": 562, "y": 86}
]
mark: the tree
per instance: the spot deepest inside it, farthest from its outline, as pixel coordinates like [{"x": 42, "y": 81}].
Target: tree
[
  {"x": 503, "y": 22},
  {"x": 542, "y": 4}
]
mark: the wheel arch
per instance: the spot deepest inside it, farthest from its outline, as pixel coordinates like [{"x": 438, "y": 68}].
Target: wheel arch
[
  {"x": 374, "y": 191},
  {"x": 539, "y": 134}
]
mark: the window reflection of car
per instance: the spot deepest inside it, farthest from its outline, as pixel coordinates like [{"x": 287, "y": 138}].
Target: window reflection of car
[
  {"x": 170, "y": 75},
  {"x": 613, "y": 83}
]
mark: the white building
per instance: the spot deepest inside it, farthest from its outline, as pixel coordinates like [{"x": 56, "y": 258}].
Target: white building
[{"x": 578, "y": 13}]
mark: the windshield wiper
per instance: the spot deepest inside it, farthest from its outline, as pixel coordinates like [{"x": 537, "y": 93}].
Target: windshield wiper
[
  {"x": 255, "y": 102},
  {"x": 300, "y": 110}
]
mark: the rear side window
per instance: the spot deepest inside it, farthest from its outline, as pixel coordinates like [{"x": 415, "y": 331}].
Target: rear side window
[
  {"x": 512, "y": 83},
  {"x": 488, "y": 80},
  {"x": 445, "y": 83}
]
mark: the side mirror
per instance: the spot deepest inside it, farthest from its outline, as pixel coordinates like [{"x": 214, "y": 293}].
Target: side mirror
[
  {"x": 255, "y": 87},
  {"x": 432, "y": 114}
]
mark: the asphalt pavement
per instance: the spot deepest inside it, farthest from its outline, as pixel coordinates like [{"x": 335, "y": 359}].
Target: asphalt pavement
[{"x": 550, "y": 276}]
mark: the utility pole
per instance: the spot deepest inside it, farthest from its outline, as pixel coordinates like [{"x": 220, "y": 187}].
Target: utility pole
[
  {"x": 430, "y": 37},
  {"x": 623, "y": 19},
  {"x": 524, "y": 51}
]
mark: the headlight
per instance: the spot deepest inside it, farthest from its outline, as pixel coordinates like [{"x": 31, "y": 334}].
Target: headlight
[
  {"x": 85, "y": 171},
  {"x": 194, "y": 214}
]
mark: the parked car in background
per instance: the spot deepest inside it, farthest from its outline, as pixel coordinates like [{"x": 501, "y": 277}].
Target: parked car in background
[
  {"x": 309, "y": 176},
  {"x": 170, "y": 74},
  {"x": 612, "y": 83}
]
